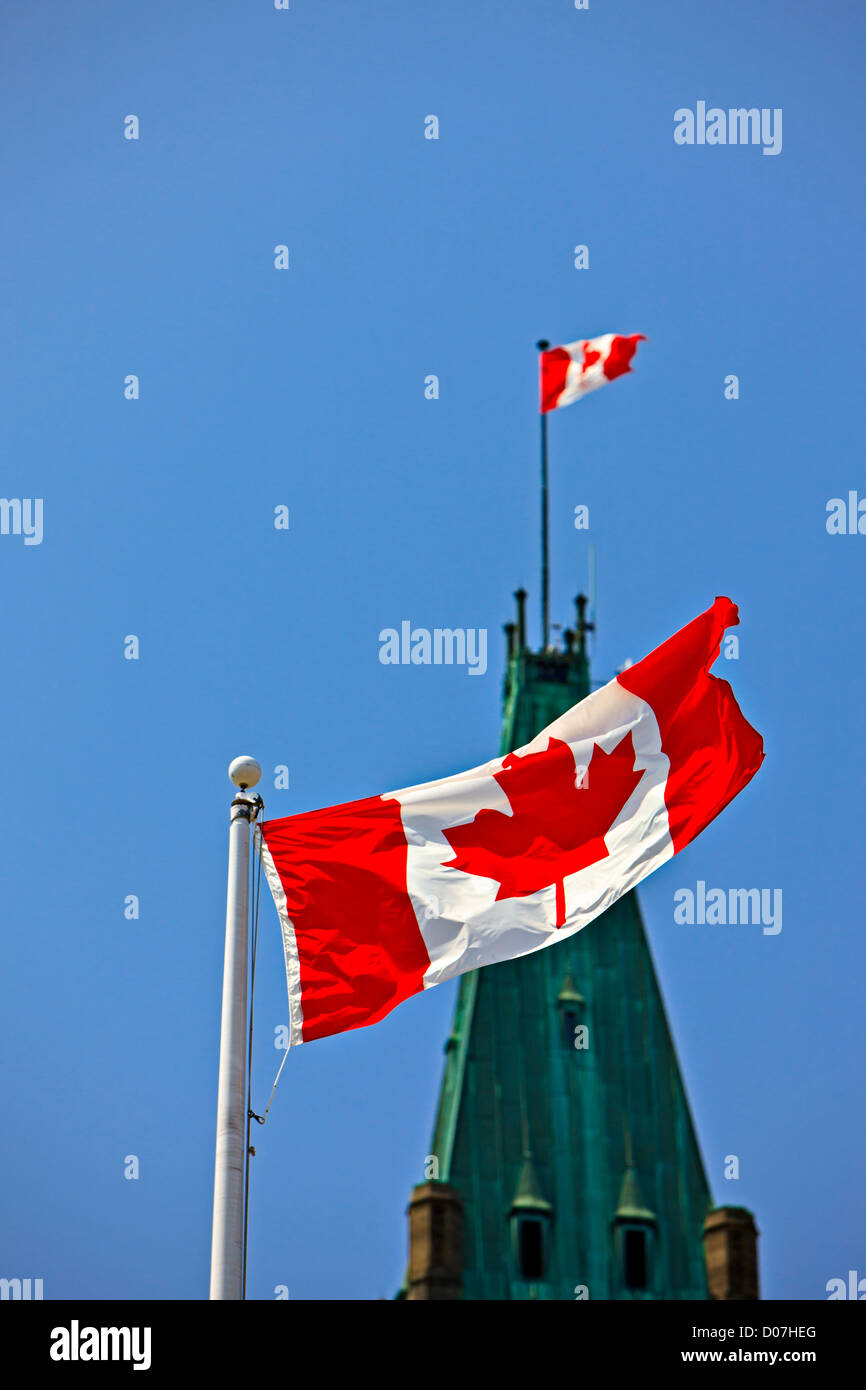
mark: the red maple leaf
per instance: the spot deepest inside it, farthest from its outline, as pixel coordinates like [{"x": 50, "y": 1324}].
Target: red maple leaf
[
  {"x": 558, "y": 825},
  {"x": 590, "y": 357}
]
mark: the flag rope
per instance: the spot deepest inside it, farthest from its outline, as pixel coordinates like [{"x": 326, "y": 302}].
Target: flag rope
[
  {"x": 261, "y": 1118},
  {"x": 252, "y": 1115}
]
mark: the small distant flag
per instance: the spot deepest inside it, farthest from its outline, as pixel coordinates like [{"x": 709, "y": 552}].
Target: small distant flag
[{"x": 568, "y": 373}]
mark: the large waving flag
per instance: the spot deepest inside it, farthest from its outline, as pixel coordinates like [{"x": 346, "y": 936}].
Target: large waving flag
[
  {"x": 568, "y": 373},
  {"x": 381, "y": 898}
]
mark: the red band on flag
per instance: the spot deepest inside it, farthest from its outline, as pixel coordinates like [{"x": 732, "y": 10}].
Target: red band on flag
[
  {"x": 553, "y": 370},
  {"x": 359, "y": 949},
  {"x": 713, "y": 749},
  {"x": 622, "y": 350}
]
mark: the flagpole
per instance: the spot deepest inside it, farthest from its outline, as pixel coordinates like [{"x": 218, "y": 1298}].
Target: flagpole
[
  {"x": 226, "y": 1273},
  {"x": 542, "y": 346}
]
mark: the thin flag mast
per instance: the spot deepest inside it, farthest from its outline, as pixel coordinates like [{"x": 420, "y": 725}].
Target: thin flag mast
[{"x": 542, "y": 346}]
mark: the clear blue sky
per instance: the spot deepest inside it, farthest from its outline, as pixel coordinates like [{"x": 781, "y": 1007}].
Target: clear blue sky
[{"x": 306, "y": 388}]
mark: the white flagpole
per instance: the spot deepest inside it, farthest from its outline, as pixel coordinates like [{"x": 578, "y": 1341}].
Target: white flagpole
[{"x": 226, "y": 1270}]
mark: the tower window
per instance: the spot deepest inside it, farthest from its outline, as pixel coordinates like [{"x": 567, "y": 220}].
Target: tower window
[
  {"x": 570, "y": 1022},
  {"x": 635, "y": 1258},
  {"x": 531, "y": 1248}
]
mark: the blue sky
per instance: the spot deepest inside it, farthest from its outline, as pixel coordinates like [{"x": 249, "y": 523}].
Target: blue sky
[{"x": 306, "y": 388}]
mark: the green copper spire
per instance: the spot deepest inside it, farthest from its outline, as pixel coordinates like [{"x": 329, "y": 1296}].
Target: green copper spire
[{"x": 563, "y": 1124}]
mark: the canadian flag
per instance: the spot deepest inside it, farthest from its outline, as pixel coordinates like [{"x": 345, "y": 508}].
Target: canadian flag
[
  {"x": 381, "y": 898},
  {"x": 569, "y": 372}
]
